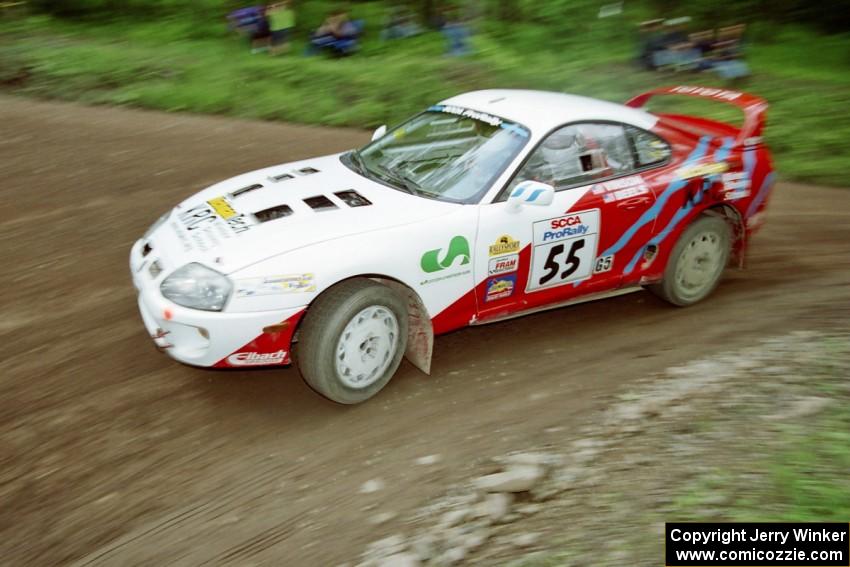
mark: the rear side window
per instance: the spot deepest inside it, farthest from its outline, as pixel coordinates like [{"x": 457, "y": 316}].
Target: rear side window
[{"x": 649, "y": 149}]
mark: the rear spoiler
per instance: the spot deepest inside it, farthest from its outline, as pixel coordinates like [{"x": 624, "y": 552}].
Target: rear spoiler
[{"x": 753, "y": 107}]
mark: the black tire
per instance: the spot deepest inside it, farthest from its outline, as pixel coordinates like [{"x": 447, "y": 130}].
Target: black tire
[
  {"x": 705, "y": 233},
  {"x": 319, "y": 346}
]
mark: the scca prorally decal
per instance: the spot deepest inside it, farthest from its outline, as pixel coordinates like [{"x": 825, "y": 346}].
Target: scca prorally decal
[
  {"x": 500, "y": 288},
  {"x": 506, "y": 244},
  {"x": 256, "y": 358},
  {"x": 564, "y": 249},
  {"x": 458, "y": 248}
]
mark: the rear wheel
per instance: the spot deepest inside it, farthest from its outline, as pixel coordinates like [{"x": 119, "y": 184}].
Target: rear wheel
[
  {"x": 352, "y": 340},
  {"x": 697, "y": 262}
]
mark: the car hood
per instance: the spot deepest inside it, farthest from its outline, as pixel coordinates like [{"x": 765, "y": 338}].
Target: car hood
[{"x": 275, "y": 210}]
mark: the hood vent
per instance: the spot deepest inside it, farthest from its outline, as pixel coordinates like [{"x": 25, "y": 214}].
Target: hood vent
[
  {"x": 281, "y": 177},
  {"x": 247, "y": 189},
  {"x": 273, "y": 213},
  {"x": 308, "y": 170},
  {"x": 320, "y": 203},
  {"x": 353, "y": 199}
]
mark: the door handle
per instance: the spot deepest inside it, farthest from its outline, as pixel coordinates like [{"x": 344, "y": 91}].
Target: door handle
[{"x": 633, "y": 203}]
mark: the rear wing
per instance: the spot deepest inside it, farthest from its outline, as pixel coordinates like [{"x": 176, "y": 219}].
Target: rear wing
[{"x": 753, "y": 107}]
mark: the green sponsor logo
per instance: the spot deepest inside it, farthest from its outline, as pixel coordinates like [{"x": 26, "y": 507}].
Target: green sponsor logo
[{"x": 457, "y": 247}]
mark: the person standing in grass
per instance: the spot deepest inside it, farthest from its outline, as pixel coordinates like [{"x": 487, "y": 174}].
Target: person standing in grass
[{"x": 282, "y": 23}]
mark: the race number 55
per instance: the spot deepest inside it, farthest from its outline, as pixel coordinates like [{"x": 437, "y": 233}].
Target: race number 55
[{"x": 571, "y": 263}]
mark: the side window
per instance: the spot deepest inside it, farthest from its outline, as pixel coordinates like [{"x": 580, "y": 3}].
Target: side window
[
  {"x": 578, "y": 154},
  {"x": 649, "y": 148}
]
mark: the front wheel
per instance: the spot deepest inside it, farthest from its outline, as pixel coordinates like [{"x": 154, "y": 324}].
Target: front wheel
[
  {"x": 696, "y": 263},
  {"x": 352, "y": 340}
]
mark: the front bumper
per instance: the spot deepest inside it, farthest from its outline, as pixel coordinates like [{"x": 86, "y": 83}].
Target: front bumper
[{"x": 205, "y": 338}]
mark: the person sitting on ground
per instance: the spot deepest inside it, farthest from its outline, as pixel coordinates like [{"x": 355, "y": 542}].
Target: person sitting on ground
[
  {"x": 678, "y": 52},
  {"x": 651, "y": 42},
  {"x": 281, "y": 19},
  {"x": 337, "y": 33},
  {"x": 727, "y": 53}
]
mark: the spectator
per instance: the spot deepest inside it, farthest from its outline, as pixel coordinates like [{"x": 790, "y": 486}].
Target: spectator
[
  {"x": 400, "y": 24},
  {"x": 652, "y": 41},
  {"x": 281, "y": 18},
  {"x": 337, "y": 33},
  {"x": 727, "y": 53},
  {"x": 456, "y": 32},
  {"x": 261, "y": 36},
  {"x": 678, "y": 52}
]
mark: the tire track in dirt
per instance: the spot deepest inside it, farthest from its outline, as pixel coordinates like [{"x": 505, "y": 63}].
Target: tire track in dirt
[{"x": 111, "y": 453}]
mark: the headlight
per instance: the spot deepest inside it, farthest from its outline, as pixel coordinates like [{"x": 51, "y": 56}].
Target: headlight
[
  {"x": 197, "y": 287},
  {"x": 158, "y": 223}
]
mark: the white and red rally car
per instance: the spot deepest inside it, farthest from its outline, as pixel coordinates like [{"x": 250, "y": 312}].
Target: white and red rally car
[{"x": 487, "y": 206}]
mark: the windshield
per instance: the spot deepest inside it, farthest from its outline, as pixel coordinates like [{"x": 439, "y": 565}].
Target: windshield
[{"x": 447, "y": 153}]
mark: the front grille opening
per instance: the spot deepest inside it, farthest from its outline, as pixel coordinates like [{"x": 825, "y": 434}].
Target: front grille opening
[
  {"x": 146, "y": 249},
  {"x": 246, "y": 189},
  {"x": 281, "y": 177},
  {"x": 273, "y": 213},
  {"x": 308, "y": 170},
  {"x": 320, "y": 203},
  {"x": 353, "y": 199}
]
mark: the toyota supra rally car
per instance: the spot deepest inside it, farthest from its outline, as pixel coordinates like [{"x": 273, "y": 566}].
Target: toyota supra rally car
[{"x": 484, "y": 207}]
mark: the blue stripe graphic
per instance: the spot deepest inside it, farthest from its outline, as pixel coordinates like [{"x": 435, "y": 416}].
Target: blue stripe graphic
[
  {"x": 762, "y": 194},
  {"x": 534, "y": 195},
  {"x": 652, "y": 213},
  {"x": 720, "y": 155}
]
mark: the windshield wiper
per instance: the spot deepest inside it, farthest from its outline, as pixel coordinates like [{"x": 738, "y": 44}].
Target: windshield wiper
[
  {"x": 358, "y": 163},
  {"x": 401, "y": 180}
]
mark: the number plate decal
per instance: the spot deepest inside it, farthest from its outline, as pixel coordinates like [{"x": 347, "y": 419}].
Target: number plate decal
[{"x": 564, "y": 249}]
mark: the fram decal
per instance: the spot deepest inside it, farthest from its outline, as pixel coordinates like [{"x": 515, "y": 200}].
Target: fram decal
[
  {"x": 500, "y": 288},
  {"x": 458, "y": 248},
  {"x": 256, "y": 358},
  {"x": 504, "y": 245},
  {"x": 503, "y": 265}
]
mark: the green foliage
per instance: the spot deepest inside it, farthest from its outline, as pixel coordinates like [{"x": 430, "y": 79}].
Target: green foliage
[{"x": 178, "y": 63}]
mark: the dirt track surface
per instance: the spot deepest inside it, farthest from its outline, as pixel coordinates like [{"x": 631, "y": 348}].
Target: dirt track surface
[{"x": 111, "y": 453}]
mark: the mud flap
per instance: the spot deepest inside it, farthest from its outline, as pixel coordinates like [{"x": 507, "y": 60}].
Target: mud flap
[{"x": 420, "y": 331}]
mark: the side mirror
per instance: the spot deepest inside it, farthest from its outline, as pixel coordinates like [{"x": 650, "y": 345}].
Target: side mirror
[
  {"x": 379, "y": 133},
  {"x": 531, "y": 193}
]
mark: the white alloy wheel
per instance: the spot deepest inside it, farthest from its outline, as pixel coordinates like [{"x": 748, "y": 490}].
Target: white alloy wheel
[
  {"x": 352, "y": 340},
  {"x": 366, "y": 347}
]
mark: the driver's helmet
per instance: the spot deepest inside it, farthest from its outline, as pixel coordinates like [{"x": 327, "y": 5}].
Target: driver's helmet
[
  {"x": 561, "y": 150},
  {"x": 564, "y": 139}
]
